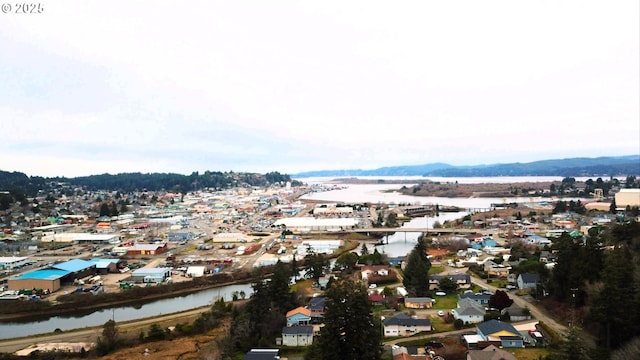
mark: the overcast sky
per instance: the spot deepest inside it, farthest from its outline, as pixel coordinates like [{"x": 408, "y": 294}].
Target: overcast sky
[{"x": 91, "y": 87}]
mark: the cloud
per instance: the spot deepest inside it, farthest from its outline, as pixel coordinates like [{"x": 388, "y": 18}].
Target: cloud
[{"x": 289, "y": 86}]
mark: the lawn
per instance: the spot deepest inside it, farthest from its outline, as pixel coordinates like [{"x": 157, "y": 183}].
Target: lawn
[
  {"x": 436, "y": 270},
  {"x": 447, "y": 302},
  {"x": 439, "y": 325},
  {"x": 530, "y": 353}
]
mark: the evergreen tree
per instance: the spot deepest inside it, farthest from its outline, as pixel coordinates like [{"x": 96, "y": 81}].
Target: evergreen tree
[
  {"x": 416, "y": 272},
  {"x": 346, "y": 262},
  {"x": 105, "y": 210},
  {"x": 350, "y": 330},
  {"x": 612, "y": 306},
  {"x": 566, "y": 273},
  {"x": 315, "y": 266}
]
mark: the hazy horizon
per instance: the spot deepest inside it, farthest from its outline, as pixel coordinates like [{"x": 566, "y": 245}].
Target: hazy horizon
[{"x": 112, "y": 87}]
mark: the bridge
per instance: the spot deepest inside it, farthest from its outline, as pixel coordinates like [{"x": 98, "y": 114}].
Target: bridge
[{"x": 423, "y": 230}]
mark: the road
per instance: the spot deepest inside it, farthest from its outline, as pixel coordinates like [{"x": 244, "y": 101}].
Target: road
[{"x": 536, "y": 312}]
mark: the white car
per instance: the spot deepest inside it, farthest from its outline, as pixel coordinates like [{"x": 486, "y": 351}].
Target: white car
[{"x": 440, "y": 313}]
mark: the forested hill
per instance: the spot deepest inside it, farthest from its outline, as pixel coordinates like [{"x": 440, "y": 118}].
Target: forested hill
[
  {"x": 574, "y": 167},
  {"x": 19, "y": 183}
]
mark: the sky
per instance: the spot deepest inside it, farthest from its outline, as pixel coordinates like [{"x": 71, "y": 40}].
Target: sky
[{"x": 93, "y": 87}]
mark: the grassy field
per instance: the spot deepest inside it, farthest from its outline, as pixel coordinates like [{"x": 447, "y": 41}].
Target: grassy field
[
  {"x": 530, "y": 353},
  {"x": 446, "y": 302}
]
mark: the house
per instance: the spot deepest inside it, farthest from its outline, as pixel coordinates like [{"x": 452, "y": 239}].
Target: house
[
  {"x": 418, "y": 302},
  {"x": 516, "y": 313},
  {"x": 317, "y": 308},
  {"x": 547, "y": 257},
  {"x": 462, "y": 280},
  {"x": 490, "y": 353},
  {"x": 297, "y": 335},
  {"x": 528, "y": 281},
  {"x": 405, "y": 325},
  {"x": 376, "y": 299},
  {"x": 481, "y": 299},
  {"x": 502, "y": 332},
  {"x": 299, "y": 316},
  {"x": 262, "y": 354},
  {"x": 370, "y": 271},
  {"x": 494, "y": 269},
  {"x": 469, "y": 311},
  {"x": 402, "y": 353}
]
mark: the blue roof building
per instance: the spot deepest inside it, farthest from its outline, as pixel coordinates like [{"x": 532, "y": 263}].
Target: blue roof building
[
  {"x": 49, "y": 279},
  {"x": 74, "y": 265}
]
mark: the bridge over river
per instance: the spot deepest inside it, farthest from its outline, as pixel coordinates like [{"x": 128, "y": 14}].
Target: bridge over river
[{"x": 384, "y": 230}]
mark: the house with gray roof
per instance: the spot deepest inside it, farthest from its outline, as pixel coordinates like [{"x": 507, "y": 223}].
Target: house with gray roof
[
  {"x": 481, "y": 299},
  {"x": 516, "y": 313},
  {"x": 405, "y": 325},
  {"x": 317, "y": 307},
  {"x": 528, "y": 281},
  {"x": 262, "y": 354},
  {"x": 297, "y": 335},
  {"x": 468, "y": 311},
  {"x": 462, "y": 280}
]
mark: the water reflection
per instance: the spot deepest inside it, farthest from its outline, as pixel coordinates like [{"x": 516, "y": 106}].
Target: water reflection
[{"x": 134, "y": 312}]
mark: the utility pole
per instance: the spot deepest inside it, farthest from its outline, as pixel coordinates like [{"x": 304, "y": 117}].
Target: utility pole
[{"x": 573, "y": 306}]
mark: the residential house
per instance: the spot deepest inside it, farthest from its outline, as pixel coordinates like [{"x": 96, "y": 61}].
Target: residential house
[
  {"x": 317, "y": 308},
  {"x": 528, "y": 281},
  {"x": 496, "y": 331},
  {"x": 262, "y": 354},
  {"x": 405, "y": 325},
  {"x": 402, "y": 353},
  {"x": 516, "y": 313},
  {"x": 490, "y": 353},
  {"x": 371, "y": 272},
  {"x": 538, "y": 240},
  {"x": 547, "y": 256},
  {"x": 297, "y": 335},
  {"x": 468, "y": 311},
  {"x": 299, "y": 316},
  {"x": 496, "y": 270},
  {"x": 418, "y": 302},
  {"x": 376, "y": 299},
  {"x": 462, "y": 280},
  {"x": 481, "y": 299}
]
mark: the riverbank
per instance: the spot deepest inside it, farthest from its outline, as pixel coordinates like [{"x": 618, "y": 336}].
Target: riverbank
[{"x": 101, "y": 302}]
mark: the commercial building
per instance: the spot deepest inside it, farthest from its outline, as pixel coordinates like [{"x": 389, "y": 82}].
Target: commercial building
[
  {"x": 49, "y": 279},
  {"x": 627, "y": 197},
  {"x": 82, "y": 238},
  {"x": 307, "y": 224},
  {"x": 147, "y": 249},
  {"x": 12, "y": 262},
  {"x": 151, "y": 275}
]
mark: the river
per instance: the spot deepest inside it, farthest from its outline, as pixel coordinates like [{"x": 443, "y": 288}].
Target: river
[
  {"x": 126, "y": 313},
  {"x": 398, "y": 244}
]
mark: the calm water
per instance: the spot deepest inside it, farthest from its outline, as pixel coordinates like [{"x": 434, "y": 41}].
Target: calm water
[
  {"x": 98, "y": 318},
  {"x": 401, "y": 243}
]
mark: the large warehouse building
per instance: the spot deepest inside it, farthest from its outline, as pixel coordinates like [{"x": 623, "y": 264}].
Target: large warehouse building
[
  {"x": 53, "y": 277},
  {"x": 306, "y": 224},
  {"x": 628, "y": 197}
]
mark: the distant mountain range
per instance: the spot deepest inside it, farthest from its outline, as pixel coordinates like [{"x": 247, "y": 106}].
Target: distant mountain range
[{"x": 573, "y": 167}]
